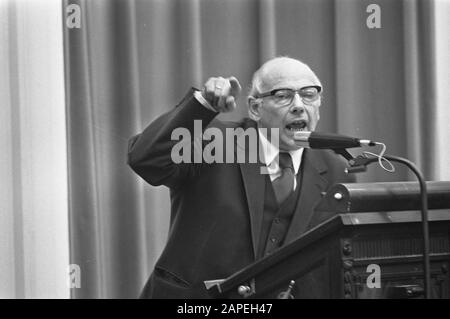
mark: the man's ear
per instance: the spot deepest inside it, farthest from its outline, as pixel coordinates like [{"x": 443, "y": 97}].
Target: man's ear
[{"x": 254, "y": 108}]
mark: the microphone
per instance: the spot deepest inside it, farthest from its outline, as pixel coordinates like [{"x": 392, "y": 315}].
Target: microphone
[{"x": 329, "y": 141}]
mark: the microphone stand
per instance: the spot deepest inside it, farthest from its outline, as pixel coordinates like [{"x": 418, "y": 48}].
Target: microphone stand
[{"x": 360, "y": 163}]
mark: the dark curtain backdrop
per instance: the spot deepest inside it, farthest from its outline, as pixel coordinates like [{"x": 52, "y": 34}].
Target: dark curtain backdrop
[{"x": 132, "y": 60}]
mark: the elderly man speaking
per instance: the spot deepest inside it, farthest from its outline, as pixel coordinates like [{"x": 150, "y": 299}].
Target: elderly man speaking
[{"x": 225, "y": 216}]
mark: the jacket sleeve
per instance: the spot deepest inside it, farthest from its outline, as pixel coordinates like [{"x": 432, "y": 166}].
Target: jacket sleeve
[{"x": 149, "y": 153}]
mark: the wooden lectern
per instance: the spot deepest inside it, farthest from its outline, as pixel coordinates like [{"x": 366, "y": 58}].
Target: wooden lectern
[{"x": 367, "y": 245}]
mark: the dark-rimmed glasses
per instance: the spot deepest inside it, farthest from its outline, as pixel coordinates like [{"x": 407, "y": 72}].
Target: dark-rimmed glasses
[{"x": 284, "y": 97}]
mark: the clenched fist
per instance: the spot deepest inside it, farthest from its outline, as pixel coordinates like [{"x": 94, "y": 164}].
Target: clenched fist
[{"x": 221, "y": 93}]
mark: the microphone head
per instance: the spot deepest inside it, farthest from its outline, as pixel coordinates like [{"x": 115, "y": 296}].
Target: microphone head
[
  {"x": 302, "y": 138},
  {"x": 326, "y": 140},
  {"x": 302, "y": 135}
]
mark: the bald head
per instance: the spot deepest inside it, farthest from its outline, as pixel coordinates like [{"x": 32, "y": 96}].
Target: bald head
[
  {"x": 280, "y": 68},
  {"x": 280, "y": 99}
]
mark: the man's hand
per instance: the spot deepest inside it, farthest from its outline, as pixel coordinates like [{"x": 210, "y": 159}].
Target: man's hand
[{"x": 221, "y": 93}]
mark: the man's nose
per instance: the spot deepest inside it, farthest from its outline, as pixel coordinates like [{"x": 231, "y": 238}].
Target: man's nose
[{"x": 297, "y": 105}]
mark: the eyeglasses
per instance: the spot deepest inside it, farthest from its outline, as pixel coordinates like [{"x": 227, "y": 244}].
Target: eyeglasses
[{"x": 284, "y": 97}]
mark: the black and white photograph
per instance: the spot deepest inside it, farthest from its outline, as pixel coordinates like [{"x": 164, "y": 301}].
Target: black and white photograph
[{"x": 244, "y": 150}]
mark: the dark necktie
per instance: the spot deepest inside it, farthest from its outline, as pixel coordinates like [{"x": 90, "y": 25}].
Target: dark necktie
[{"x": 284, "y": 185}]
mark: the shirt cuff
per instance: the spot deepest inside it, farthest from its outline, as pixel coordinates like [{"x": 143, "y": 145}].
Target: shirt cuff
[{"x": 198, "y": 95}]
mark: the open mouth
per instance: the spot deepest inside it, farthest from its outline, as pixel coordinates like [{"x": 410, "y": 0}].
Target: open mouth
[{"x": 296, "y": 126}]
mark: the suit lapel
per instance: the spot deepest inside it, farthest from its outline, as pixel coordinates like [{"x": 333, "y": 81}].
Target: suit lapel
[
  {"x": 254, "y": 189},
  {"x": 312, "y": 184},
  {"x": 254, "y": 184}
]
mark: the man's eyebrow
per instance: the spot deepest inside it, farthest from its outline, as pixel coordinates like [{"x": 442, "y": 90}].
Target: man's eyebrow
[{"x": 291, "y": 87}]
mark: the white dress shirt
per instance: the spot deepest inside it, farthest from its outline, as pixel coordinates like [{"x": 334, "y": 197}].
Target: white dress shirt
[{"x": 270, "y": 155}]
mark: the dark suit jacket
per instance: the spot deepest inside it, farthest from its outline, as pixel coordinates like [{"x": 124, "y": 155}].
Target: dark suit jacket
[{"x": 216, "y": 209}]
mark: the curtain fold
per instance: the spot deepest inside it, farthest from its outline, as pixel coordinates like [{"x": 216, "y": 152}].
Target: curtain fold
[
  {"x": 267, "y": 30},
  {"x": 133, "y": 60},
  {"x": 33, "y": 159},
  {"x": 106, "y": 202},
  {"x": 420, "y": 104},
  {"x": 441, "y": 46}
]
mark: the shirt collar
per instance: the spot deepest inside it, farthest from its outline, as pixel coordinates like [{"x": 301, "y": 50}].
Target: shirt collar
[{"x": 271, "y": 152}]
